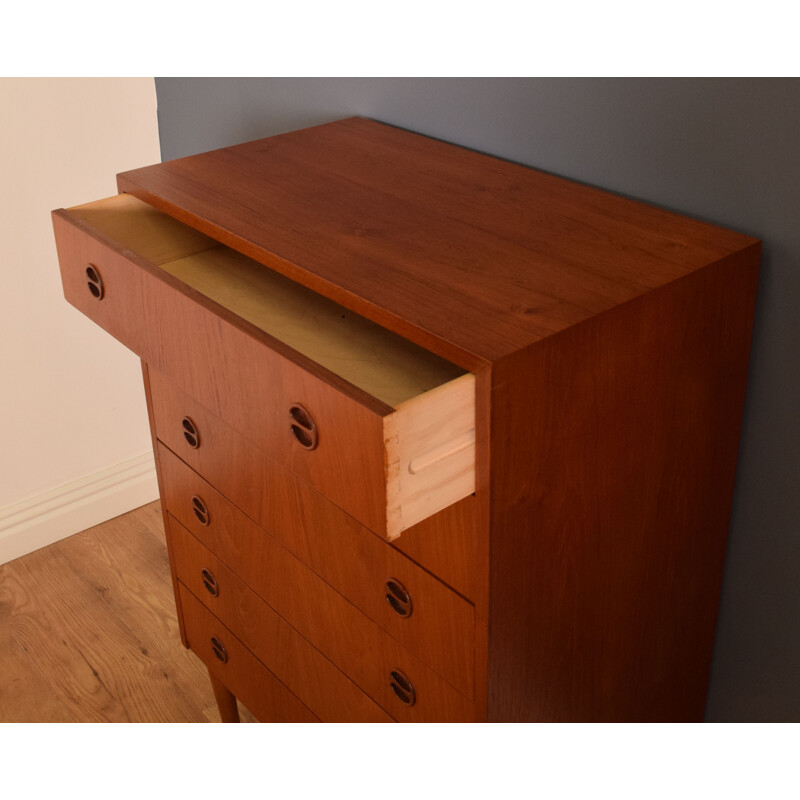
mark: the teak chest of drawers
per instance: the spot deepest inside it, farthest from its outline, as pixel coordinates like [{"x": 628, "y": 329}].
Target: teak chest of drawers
[{"x": 439, "y": 437}]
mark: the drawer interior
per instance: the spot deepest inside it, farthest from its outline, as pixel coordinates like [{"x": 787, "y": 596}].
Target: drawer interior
[
  {"x": 427, "y": 413},
  {"x": 378, "y": 361}
]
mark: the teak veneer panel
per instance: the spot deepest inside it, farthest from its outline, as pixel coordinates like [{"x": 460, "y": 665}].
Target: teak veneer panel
[
  {"x": 175, "y": 332},
  {"x": 354, "y": 562},
  {"x": 353, "y": 642},
  {"x": 326, "y": 691},
  {"x": 467, "y": 255},
  {"x": 246, "y": 677},
  {"x": 616, "y": 450}
]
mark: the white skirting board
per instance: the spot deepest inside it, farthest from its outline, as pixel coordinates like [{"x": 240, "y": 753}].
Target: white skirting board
[{"x": 61, "y": 512}]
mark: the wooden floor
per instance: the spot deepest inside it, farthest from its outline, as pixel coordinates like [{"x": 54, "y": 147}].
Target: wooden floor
[{"x": 88, "y": 632}]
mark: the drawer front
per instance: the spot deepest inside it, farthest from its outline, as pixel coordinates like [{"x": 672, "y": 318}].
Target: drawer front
[
  {"x": 434, "y": 622},
  {"x": 297, "y": 664},
  {"x": 241, "y": 566},
  {"x": 203, "y": 347},
  {"x": 237, "y": 668},
  {"x": 100, "y": 283}
]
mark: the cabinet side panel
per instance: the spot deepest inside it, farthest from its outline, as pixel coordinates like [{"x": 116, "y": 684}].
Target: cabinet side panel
[{"x": 614, "y": 449}]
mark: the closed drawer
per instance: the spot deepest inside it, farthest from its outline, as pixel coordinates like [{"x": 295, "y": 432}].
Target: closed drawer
[
  {"x": 352, "y": 642},
  {"x": 378, "y": 425},
  {"x": 237, "y": 668},
  {"x": 323, "y": 688},
  {"x": 436, "y": 624}
]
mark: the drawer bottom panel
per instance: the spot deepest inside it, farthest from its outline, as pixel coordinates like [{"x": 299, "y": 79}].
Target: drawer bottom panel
[{"x": 237, "y": 668}]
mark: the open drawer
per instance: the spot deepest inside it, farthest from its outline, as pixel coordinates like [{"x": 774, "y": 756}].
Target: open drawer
[{"x": 380, "y": 426}]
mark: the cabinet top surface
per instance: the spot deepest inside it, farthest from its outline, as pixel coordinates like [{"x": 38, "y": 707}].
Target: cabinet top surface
[{"x": 469, "y": 255}]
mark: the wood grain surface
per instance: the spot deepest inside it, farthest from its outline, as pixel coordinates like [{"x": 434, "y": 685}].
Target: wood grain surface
[
  {"x": 323, "y": 688},
  {"x": 428, "y": 440},
  {"x": 467, "y": 255},
  {"x": 240, "y": 672},
  {"x": 88, "y": 632},
  {"x": 614, "y": 456},
  {"x": 355, "y": 643},
  {"x": 349, "y": 640},
  {"x": 343, "y": 553},
  {"x": 379, "y": 362},
  {"x": 139, "y": 228},
  {"x": 178, "y": 332}
]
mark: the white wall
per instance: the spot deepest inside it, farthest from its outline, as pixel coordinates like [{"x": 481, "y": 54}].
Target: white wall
[{"x": 74, "y": 443}]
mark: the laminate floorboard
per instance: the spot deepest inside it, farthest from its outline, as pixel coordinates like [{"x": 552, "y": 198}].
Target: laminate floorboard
[{"x": 88, "y": 632}]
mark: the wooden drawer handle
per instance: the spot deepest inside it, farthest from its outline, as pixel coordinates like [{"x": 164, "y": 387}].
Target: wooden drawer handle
[
  {"x": 403, "y": 688},
  {"x": 219, "y": 650},
  {"x": 303, "y": 426},
  {"x": 95, "y": 282},
  {"x": 210, "y": 582},
  {"x": 398, "y": 598},
  {"x": 190, "y": 432},
  {"x": 200, "y": 510}
]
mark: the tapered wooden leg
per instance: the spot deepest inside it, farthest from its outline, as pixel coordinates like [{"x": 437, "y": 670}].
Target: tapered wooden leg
[{"x": 226, "y": 702}]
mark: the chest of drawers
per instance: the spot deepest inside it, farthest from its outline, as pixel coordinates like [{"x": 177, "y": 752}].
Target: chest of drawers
[{"x": 439, "y": 437}]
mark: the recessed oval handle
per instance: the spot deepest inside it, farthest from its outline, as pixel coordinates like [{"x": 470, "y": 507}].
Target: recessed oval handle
[
  {"x": 303, "y": 426},
  {"x": 398, "y": 598},
  {"x": 402, "y": 687},
  {"x": 190, "y": 432},
  {"x": 219, "y": 650},
  {"x": 94, "y": 282},
  {"x": 200, "y": 510},
  {"x": 210, "y": 582}
]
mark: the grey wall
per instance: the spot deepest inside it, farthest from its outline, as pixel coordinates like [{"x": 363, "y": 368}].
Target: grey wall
[{"x": 726, "y": 151}]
